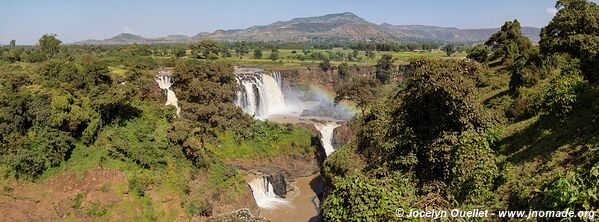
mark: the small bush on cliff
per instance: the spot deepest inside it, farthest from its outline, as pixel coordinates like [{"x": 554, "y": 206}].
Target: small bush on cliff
[
  {"x": 575, "y": 190},
  {"x": 563, "y": 95},
  {"x": 344, "y": 162},
  {"x": 198, "y": 208},
  {"x": 361, "y": 199}
]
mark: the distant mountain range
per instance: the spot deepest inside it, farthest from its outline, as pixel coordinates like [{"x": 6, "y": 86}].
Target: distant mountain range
[{"x": 333, "y": 27}]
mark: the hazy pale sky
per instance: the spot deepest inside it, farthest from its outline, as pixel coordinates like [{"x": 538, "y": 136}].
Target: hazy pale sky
[{"x": 76, "y": 20}]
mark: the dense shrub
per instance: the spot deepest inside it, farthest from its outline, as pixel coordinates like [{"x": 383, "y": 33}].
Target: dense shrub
[
  {"x": 44, "y": 148},
  {"x": 199, "y": 208},
  {"x": 361, "y": 199},
  {"x": 479, "y": 53},
  {"x": 439, "y": 97},
  {"x": 473, "y": 167},
  {"x": 342, "y": 163},
  {"x": 527, "y": 69},
  {"x": 142, "y": 140},
  {"x": 562, "y": 96}
]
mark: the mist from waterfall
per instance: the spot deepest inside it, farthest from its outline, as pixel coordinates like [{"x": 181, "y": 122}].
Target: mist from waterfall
[
  {"x": 264, "y": 194},
  {"x": 165, "y": 82},
  {"x": 326, "y": 135}
]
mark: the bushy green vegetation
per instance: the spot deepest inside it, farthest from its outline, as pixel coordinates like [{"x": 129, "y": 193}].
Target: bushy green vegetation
[
  {"x": 512, "y": 128},
  {"x": 266, "y": 140},
  {"x": 76, "y": 108}
]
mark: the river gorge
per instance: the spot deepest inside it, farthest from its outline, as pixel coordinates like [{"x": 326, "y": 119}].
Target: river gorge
[{"x": 268, "y": 97}]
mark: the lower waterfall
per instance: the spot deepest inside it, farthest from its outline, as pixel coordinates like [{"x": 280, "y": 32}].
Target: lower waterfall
[{"x": 263, "y": 193}]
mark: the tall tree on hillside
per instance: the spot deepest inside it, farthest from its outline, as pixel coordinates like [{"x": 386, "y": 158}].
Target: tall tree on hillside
[
  {"x": 384, "y": 69},
  {"x": 479, "y": 53},
  {"x": 12, "y": 44},
  {"x": 370, "y": 54},
  {"x": 449, "y": 49},
  {"x": 49, "y": 45},
  {"x": 325, "y": 65},
  {"x": 257, "y": 53},
  {"x": 508, "y": 43},
  {"x": 360, "y": 91},
  {"x": 575, "y": 30},
  {"x": 206, "y": 49},
  {"x": 179, "y": 52},
  {"x": 274, "y": 54},
  {"x": 241, "y": 48},
  {"x": 343, "y": 71}
]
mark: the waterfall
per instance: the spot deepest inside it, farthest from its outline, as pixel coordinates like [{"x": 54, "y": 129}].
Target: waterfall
[
  {"x": 263, "y": 193},
  {"x": 165, "y": 82},
  {"x": 277, "y": 77},
  {"x": 326, "y": 135},
  {"x": 261, "y": 94}
]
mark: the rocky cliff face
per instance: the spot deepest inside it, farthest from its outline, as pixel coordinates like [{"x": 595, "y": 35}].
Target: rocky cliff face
[
  {"x": 342, "y": 135},
  {"x": 315, "y": 76},
  {"x": 279, "y": 183}
]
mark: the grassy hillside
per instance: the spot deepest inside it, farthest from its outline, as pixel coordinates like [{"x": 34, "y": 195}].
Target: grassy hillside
[{"x": 513, "y": 127}]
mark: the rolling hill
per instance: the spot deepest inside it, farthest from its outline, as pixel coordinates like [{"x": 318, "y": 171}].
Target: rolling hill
[{"x": 332, "y": 27}]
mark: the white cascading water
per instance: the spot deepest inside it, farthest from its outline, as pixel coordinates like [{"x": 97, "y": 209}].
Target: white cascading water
[
  {"x": 326, "y": 135},
  {"x": 264, "y": 194},
  {"x": 261, "y": 94},
  {"x": 165, "y": 82}
]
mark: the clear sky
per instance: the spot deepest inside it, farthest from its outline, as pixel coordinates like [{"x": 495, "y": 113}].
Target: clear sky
[{"x": 75, "y": 20}]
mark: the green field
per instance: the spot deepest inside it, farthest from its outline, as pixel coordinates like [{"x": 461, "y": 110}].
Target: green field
[{"x": 286, "y": 60}]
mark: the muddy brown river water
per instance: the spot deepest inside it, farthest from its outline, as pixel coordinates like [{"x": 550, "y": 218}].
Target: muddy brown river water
[{"x": 301, "y": 207}]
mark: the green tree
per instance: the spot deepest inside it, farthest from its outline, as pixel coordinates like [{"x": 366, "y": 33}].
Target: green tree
[
  {"x": 436, "y": 107},
  {"x": 564, "y": 93},
  {"x": 526, "y": 70},
  {"x": 180, "y": 52},
  {"x": 361, "y": 199},
  {"x": 479, "y": 53},
  {"x": 575, "y": 30},
  {"x": 206, "y": 49},
  {"x": 439, "y": 97},
  {"x": 370, "y": 54},
  {"x": 14, "y": 55},
  {"x": 49, "y": 45},
  {"x": 508, "y": 43},
  {"x": 241, "y": 48},
  {"x": 359, "y": 90},
  {"x": 325, "y": 65},
  {"x": 343, "y": 71},
  {"x": 449, "y": 49},
  {"x": 274, "y": 54},
  {"x": 257, "y": 53},
  {"x": 384, "y": 69}
]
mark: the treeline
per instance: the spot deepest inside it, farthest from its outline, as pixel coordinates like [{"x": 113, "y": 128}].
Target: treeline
[
  {"x": 212, "y": 49},
  {"x": 394, "y": 46},
  {"x": 436, "y": 141}
]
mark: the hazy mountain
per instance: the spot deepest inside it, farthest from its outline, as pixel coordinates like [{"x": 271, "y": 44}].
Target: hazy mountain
[
  {"x": 127, "y": 38},
  {"x": 342, "y": 26},
  {"x": 449, "y": 34}
]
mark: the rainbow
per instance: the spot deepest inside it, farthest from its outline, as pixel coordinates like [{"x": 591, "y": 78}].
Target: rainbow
[{"x": 329, "y": 96}]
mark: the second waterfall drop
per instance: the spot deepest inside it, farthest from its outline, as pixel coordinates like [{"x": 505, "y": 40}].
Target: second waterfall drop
[{"x": 326, "y": 135}]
